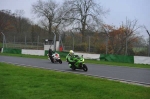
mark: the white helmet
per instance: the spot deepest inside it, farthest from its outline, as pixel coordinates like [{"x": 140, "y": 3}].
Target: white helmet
[{"x": 71, "y": 52}]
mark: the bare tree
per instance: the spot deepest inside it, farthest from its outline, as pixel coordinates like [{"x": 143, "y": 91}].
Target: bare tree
[
  {"x": 21, "y": 24},
  {"x": 82, "y": 13},
  {"x": 18, "y": 20},
  {"x": 50, "y": 12},
  {"x": 129, "y": 29}
]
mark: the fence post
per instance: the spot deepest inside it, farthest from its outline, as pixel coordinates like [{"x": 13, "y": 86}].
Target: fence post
[
  {"x": 107, "y": 38},
  {"x": 38, "y": 43},
  {"x": 4, "y": 39},
  {"x": 25, "y": 42},
  {"x": 14, "y": 41},
  {"x": 54, "y": 41},
  {"x": 149, "y": 45},
  {"x": 89, "y": 43},
  {"x": 126, "y": 50},
  {"x": 59, "y": 39},
  {"x": 149, "y": 41},
  {"x": 73, "y": 42}
]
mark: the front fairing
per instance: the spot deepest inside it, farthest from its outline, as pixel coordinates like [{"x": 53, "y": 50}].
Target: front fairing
[{"x": 79, "y": 61}]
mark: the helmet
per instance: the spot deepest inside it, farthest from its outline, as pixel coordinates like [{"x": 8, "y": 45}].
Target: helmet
[{"x": 71, "y": 52}]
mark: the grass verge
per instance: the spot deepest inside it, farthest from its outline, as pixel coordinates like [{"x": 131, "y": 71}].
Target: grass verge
[
  {"x": 86, "y": 61},
  {"x": 33, "y": 83}
]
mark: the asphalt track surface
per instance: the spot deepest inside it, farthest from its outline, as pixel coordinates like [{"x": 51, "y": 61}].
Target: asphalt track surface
[{"x": 124, "y": 74}]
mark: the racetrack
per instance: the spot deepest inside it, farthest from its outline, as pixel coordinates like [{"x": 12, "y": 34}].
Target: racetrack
[{"x": 124, "y": 74}]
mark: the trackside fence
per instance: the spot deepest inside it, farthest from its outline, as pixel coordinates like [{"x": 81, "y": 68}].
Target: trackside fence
[{"x": 99, "y": 57}]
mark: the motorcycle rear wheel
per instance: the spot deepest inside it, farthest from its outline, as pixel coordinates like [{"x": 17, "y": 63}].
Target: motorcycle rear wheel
[
  {"x": 73, "y": 68},
  {"x": 51, "y": 58},
  {"x": 60, "y": 61}
]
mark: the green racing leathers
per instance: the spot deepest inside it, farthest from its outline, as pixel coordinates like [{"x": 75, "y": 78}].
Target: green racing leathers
[{"x": 70, "y": 60}]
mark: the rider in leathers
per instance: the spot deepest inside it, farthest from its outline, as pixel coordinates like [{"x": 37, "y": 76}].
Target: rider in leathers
[{"x": 69, "y": 58}]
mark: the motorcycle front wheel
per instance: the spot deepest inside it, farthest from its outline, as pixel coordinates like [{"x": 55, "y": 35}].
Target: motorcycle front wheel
[{"x": 85, "y": 67}]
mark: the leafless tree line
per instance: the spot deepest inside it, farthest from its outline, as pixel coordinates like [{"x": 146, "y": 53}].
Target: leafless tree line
[{"x": 81, "y": 18}]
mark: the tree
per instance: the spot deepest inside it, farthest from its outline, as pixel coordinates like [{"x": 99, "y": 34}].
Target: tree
[
  {"x": 129, "y": 29},
  {"x": 121, "y": 40},
  {"x": 37, "y": 32},
  {"x": 6, "y": 26},
  {"x": 5, "y": 20},
  {"x": 50, "y": 11},
  {"x": 82, "y": 13},
  {"x": 107, "y": 29},
  {"x": 140, "y": 47},
  {"x": 33, "y": 34},
  {"x": 21, "y": 24},
  {"x": 18, "y": 22}
]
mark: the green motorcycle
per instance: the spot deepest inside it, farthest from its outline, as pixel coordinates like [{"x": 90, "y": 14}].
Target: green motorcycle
[{"x": 78, "y": 63}]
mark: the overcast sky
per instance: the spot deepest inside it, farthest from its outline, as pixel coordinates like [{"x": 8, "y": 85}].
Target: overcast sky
[{"x": 119, "y": 10}]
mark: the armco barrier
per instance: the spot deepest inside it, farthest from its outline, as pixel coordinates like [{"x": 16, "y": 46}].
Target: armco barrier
[
  {"x": 33, "y": 52},
  {"x": 117, "y": 58},
  {"x": 85, "y": 55},
  {"x": 108, "y": 57},
  {"x": 89, "y": 56},
  {"x": 12, "y": 51},
  {"x": 62, "y": 54},
  {"x": 141, "y": 60}
]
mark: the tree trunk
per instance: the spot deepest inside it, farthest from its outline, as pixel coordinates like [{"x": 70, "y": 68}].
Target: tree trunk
[
  {"x": 50, "y": 29},
  {"x": 83, "y": 31}
]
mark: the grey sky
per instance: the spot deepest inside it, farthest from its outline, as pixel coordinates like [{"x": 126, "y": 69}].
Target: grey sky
[{"x": 119, "y": 10}]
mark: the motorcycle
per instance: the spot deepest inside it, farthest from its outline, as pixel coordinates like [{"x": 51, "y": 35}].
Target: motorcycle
[
  {"x": 54, "y": 58},
  {"x": 79, "y": 63}
]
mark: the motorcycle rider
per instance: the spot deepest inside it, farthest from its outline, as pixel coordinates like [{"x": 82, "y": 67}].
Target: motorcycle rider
[
  {"x": 69, "y": 58},
  {"x": 50, "y": 53}
]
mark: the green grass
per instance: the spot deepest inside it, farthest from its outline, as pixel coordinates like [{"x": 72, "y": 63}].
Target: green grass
[
  {"x": 33, "y": 83},
  {"x": 25, "y": 56},
  {"x": 86, "y": 61}
]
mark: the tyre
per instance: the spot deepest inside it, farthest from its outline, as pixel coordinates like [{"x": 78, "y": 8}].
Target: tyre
[
  {"x": 73, "y": 68},
  {"x": 60, "y": 61},
  {"x": 52, "y": 60},
  {"x": 85, "y": 67}
]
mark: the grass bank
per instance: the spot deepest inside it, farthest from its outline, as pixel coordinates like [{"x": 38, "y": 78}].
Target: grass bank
[{"x": 33, "y": 83}]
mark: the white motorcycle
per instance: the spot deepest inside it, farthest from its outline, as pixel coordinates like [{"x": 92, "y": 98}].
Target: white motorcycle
[{"x": 55, "y": 58}]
